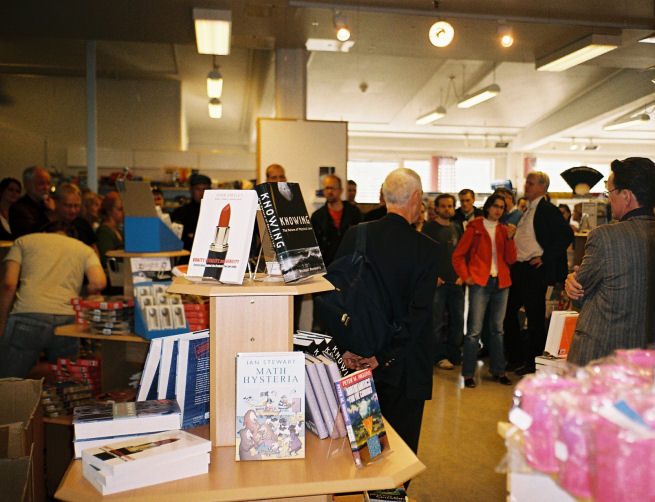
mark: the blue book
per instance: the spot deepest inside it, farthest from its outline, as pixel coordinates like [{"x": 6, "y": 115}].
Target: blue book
[{"x": 192, "y": 380}]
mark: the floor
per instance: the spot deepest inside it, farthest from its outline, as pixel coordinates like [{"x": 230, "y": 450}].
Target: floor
[{"x": 459, "y": 444}]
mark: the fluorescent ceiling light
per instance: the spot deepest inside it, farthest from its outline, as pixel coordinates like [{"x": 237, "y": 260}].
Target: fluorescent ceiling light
[
  {"x": 214, "y": 84},
  {"x": 648, "y": 40},
  {"x": 480, "y": 96},
  {"x": 432, "y": 116},
  {"x": 578, "y": 52},
  {"x": 627, "y": 122},
  {"x": 328, "y": 45},
  {"x": 213, "y": 31},
  {"x": 215, "y": 108}
]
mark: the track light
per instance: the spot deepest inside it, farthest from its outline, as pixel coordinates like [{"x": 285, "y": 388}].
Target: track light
[
  {"x": 215, "y": 108},
  {"x": 578, "y": 52},
  {"x": 627, "y": 122},
  {"x": 214, "y": 83},
  {"x": 213, "y": 29},
  {"x": 341, "y": 27},
  {"x": 441, "y": 34},
  {"x": 480, "y": 96},
  {"x": 430, "y": 117},
  {"x": 505, "y": 35}
]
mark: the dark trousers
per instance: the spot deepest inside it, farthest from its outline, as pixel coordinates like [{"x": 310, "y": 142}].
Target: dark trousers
[
  {"x": 528, "y": 290},
  {"x": 403, "y": 414}
]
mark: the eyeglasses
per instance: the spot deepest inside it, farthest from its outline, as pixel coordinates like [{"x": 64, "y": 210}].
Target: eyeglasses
[{"x": 607, "y": 193}]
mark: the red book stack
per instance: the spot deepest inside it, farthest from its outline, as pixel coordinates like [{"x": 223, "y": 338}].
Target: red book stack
[
  {"x": 197, "y": 315},
  {"x": 86, "y": 371}
]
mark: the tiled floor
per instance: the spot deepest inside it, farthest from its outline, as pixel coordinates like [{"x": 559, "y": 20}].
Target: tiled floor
[{"x": 459, "y": 444}]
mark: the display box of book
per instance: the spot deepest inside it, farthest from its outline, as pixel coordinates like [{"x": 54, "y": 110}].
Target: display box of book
[{"x": 270, "y": 405}]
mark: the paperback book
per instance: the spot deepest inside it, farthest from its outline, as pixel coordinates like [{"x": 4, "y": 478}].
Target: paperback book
[
  {"x": 143, "y": 455},
  {"x": 270, "y": 405},
  {"x": 192, "y": 378},
  {"x": 119, "y": 419},
  {"x": 223, "y": 236},
  {"x": 290, "y": 230},
  {"x": 361, "y": 413}
]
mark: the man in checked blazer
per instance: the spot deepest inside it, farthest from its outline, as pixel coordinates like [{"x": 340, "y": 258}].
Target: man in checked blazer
[{"x": 615, "y": 281}]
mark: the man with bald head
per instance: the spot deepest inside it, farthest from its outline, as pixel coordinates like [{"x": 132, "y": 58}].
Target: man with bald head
[
  {"x": 32, "y": 211},
  {"x": 275, "y": 173}
]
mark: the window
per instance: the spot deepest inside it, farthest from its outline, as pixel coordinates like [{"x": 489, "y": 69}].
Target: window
[
  {"x": 369, "y": 177},
  {"x": 553, "y": 168},
  {"x": 464, "y": 172}
]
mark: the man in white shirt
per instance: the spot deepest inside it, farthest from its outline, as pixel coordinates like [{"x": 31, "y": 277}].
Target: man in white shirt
[{"x": 541, "y": 239}]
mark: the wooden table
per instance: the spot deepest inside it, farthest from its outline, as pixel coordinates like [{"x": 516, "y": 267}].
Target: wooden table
[{"x": 327, "y": 468}]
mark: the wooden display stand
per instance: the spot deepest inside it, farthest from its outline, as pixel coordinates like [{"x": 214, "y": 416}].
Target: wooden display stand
[{"x": 256, "y": 316}]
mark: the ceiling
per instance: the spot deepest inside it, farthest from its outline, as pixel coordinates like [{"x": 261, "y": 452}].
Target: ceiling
[{"x": 403, "y": 75}]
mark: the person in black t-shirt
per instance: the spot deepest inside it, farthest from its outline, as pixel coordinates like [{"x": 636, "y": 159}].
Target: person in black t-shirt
[
  {"x": 33, "y": 210},
  {"x": 188, "y": 214}
]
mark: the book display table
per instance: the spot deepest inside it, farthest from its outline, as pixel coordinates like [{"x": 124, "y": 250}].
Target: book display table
[{"x": 327, "y": 468}]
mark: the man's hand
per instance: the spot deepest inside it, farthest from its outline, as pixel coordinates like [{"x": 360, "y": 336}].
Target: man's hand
[
  {"x": 573, "y": 287},
  {"x": 458, "y": 281},
  {"x": 440, "y": 281},
  {"x": 469, "y": 280},
  {"x": 368, "y": 362},
  {"x": 511, "y": 230},
  {"x": 536, "y": 262},
  {"x": 351, "y": 360}
]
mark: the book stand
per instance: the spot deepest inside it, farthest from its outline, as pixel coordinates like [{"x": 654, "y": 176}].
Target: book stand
[{"x": 256, "y": 316}]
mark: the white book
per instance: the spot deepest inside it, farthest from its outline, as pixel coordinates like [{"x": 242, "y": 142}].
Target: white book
[
  {"x": 334, "y": 375},
  {"x": 221, "y": 245},
  {"x": 190, "y": 466},
  {"x": 319, "y": 392},
  {"x": 120, "y": 419},
  {"x": 85, "y": 444},
  {"x": 313, "y": 417},
  {"x": 330, "y": 394},
  {"x": 145, "y": 454},
  {"x": 270, "y": 405},
  {"x": 555, "y": 329},
  {"x": 150, "y": 372},
  {"x": 167, "y": 363}
]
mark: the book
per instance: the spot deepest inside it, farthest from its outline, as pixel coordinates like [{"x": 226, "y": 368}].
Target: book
[
  {"x": 329, "y": 347},
  {"x": 270, "y": 405},
  {"x": 319, "y": 393},
  {"x": 334, "y": 375},
  {"x": 192, "y": 466},
  {"x": 554, "y": 338},
  {"x": 150, "y": 373},
  {"x": 267, "y": 251},
  {"x": 192, "y": 378},
  {"x": 361, "y": 413},
  {"x": 85, "y": 444},
  {"x": 168, "y": 368},
  {"x": 119, "y": 419},
  {"x": 394, "y": 495},
  {"x": 313, "y": 417},
  {"x": 223, "y": 235},
  {"x": 143, "y": 455},
  {"x": 338, "y": 429},
  {"x": 290, "y": 230}
]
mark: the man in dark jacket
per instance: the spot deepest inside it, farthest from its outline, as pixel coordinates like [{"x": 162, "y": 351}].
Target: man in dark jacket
[
  {"x": 466, "y": 210},
  {"x": 188, "y": 214},
  {"x": 408, "y": 262},
  {"x": 542, "y": 236},
  {"x": 331, "y": 221},
  {"x": 33, "y": 210}
]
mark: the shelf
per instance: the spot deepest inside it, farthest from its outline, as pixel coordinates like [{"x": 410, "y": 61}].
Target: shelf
[
  {"x": 121, "y": 253},
  {"x": 322, "y": 472},
  {"x": 78, "y": 331},
  {"x": 63, "y": 420},
  {"x": 257, "y": 287}
]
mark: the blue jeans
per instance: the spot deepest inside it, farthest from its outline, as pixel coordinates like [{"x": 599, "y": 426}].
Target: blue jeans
[
  {"x": 482, "y": 299},
  {"x": 26, "y": 335},
  {"x": 449, "y": 297}
]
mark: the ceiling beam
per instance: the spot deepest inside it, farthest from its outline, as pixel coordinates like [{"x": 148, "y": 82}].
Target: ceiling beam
[{"x": 622, "y": 89}]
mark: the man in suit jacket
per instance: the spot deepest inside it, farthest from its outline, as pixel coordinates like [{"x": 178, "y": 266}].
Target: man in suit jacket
[
  {"x": 615, "y": 281},
  {"x": 542, "y": 236},
  {"x": 407, "y": 261}
]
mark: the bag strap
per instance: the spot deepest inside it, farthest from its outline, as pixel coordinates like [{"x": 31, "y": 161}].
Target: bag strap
[{"x": 360, "y": 242}]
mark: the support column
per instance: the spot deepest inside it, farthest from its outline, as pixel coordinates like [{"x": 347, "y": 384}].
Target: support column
[
  {"x": 291, "y": 83},
  {"x": 91, "y": 119}
]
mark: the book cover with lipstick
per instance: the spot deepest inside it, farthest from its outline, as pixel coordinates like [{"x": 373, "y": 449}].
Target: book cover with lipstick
[
  {"x": 223, "y": 236},
  {"x": 290, "y": 230}
]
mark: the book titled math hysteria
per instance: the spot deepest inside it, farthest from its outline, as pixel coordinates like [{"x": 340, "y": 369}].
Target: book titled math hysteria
[
  {"x": 221, "y": 244},
  {"x": 290, "y": 230},
  {"x": 270, "y": 405},
  {"x": 361, "y": 413}
]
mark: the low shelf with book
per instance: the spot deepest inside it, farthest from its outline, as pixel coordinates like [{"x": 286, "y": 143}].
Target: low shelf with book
[{"x": 328, "y": 468}]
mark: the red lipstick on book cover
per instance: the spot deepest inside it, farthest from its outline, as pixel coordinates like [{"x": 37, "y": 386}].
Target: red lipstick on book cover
[{"x": 218, "y": 248}]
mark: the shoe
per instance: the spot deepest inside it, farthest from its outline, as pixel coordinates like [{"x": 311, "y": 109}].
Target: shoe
[
  {"x": 501, "y": 379},
  {"x": 469, "y": 383},
  {"x": 445, "y": 364},
  {"x": 525, "y": 370}
]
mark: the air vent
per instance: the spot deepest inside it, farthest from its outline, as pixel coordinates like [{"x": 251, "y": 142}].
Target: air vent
[{"x": 502, "y": 144}]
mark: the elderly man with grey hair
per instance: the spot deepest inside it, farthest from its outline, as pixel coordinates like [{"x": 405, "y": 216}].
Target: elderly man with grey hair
[
  {"x": 542, "y": 236},
  {"x": 407, "y": 261},
  {"x": 33, "y": 210}
]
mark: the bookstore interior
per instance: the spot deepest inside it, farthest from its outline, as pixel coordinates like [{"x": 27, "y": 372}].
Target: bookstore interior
[{"x": 206, "y": 363}]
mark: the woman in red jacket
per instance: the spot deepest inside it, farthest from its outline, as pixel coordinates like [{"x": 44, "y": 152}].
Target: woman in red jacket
[{"x": 482, "y": 260}]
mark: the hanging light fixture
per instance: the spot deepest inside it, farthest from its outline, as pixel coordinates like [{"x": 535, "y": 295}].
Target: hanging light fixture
[
  {"x": 213, "y": 29},
  {"x": 341, "y": 27},
  {"x": 505, "y": 35},
  {"x": 625, "y": 122},
  {"x": 582, "y": 50},
  {"x": 429, "y": 117},
  {"x": 441, "y": 34},
  {"x": 480, "y": 96},
  {"x": 215, "y": 108},
  {"x": 214, "y": 82}
]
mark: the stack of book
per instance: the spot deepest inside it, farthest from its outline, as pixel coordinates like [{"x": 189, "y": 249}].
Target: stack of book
[
  {"x": 99, "y": 424},
  {"x": 113, "y": 315},
  {"x": 84, "y": 371},
  {"x": 146, "y": 460},
  {"x": 61, "y": 398},
  {"x": 197, "y": 315}
]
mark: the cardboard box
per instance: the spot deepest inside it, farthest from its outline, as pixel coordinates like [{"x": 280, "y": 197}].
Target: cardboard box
[{"x": 21, "y": 428}]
